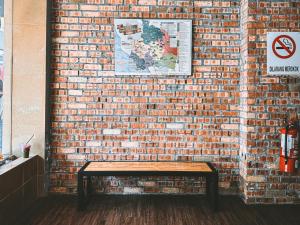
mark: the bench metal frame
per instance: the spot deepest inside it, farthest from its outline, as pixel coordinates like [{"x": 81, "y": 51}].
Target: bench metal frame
[{"x": 83, "y": 191}]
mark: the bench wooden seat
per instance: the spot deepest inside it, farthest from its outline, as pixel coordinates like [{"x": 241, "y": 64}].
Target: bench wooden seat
[{"x": 128, "y": 168}]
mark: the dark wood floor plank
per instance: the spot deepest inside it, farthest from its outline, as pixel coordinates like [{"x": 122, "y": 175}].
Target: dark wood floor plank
[{"x": 157, "y": 210}]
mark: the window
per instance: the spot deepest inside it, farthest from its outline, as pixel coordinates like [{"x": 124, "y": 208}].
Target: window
[
  {"x": 1, "y": 68},
  {"x": 19, "y": 64}
]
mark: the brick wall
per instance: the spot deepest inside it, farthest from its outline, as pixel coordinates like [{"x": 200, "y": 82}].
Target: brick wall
[
  {"x": 265, "y": 102},
  {"x": 217, "y": 114},
  {"x": 99, "y": 116}
]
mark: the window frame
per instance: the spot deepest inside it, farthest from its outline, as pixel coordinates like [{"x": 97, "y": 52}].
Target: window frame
[{"x": 7, "y": 80}]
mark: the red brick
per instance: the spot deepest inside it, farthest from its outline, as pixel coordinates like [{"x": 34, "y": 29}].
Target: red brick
[{"x": 228, "y": 107}]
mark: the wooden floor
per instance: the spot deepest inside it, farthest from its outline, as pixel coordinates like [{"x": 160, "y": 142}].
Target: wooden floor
[{"x": 157, "y": 210}]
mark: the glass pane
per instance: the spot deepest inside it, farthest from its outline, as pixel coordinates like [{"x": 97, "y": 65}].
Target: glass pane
[{"x": 1, "y": 68}]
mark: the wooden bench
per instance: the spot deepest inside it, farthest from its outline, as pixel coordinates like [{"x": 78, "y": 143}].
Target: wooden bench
[{"x": 126, "y": 168}]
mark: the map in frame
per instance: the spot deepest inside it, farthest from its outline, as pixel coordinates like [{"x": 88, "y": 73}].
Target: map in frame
[{"x": 153, "y": 47}]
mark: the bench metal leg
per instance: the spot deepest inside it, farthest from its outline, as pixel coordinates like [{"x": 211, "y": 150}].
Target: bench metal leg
[
  {"x": 212, "y": 190},
  {"x": 215, "y": 191},
  {"x": 207, "y": 187},
  {"x": 89, "y": 186},
  {"x": 80, "y": 192}
]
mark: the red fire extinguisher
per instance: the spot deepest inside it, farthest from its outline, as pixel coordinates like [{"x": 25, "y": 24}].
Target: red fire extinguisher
[{"x": 289, "y": 148}]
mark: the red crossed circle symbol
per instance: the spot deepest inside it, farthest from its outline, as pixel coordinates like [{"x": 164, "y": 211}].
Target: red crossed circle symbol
[{"x": 281, "y": 43}]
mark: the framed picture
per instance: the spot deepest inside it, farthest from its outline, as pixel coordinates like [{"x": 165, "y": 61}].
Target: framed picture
[{"x": 153, "y": 47}]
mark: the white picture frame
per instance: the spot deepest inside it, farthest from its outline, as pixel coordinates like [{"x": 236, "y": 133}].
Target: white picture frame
[{"x": 153, "y": 47}]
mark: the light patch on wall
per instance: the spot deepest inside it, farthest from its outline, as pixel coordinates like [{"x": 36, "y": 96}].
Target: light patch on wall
[
  {"x": 174, "y": 126},
  {"x": 77, "y": 79},
  {"x": 130, "y": 144},
  {"x": 133, "y": 190},
  {"x": 93, "y": 144},
  {"x": 257, "y": 179},
  {"x": 27, "y": 110},
  {"x": 75, "y": 92},
  {"x": 111, "y": 131}
]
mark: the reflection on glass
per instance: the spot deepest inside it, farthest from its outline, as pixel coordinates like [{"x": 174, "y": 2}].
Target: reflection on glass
[{"x": 1, "y": 67}]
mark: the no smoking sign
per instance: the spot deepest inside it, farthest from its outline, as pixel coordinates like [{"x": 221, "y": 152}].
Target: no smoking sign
[
  {"x": 283, "y": 53},
  {"x": 284, "y": 46}
]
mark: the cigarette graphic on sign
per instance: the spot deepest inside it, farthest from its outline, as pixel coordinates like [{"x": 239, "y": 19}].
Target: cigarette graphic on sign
[
  {"x": 284, "y": 46},
  {"x": 287, "y": 43}
]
